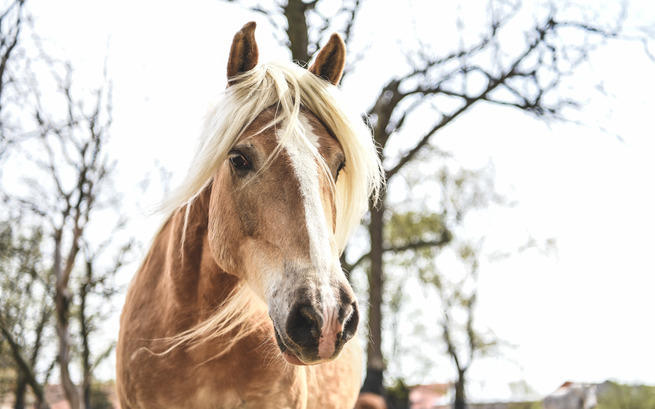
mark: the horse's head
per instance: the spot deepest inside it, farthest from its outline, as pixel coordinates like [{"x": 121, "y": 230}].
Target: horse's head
[{"x": 274, "y": 211}]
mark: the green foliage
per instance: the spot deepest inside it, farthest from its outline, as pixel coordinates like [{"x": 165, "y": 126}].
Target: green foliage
[
  {"x": 19, "y": 251},
  {"x": 24, "y": 316},
  {"x": 466, "y": 190},
  {"x": 99, "y": 396},
  {"x": 618, "y": 396},
  {"x": 420, "y": 237},
  {"x": 416, "y": 238},
  {"x": 23, "y": 280},
  {"x": 525, "y": 405},
  {"x": 398, "y": 394},
  {"x": 407, "y": 227}
]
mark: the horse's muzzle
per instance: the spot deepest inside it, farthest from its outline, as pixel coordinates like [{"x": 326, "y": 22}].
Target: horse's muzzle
[{"x": 314, "y": 333}]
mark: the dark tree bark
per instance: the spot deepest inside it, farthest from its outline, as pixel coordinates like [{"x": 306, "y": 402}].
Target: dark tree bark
[
  {"x": 297, "y": 32},
  {"x": 11, "y": 22},
  {"x": 453, "y": 350},
  {"x": 84, "y": 333},
  {"x": 95, "y": 283},
  {"x": 19, "y": 392},
  {"x": 374, "y": 357},
  {"x": 460, "y": 391},
  {"x": 11, "y": 17}
]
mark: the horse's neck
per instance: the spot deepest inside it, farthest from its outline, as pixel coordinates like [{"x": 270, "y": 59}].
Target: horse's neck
[{"x": 192, "y": 278}]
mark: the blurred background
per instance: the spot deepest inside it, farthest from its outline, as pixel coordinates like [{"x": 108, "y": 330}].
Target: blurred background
[{"x": 509, "y": 263}]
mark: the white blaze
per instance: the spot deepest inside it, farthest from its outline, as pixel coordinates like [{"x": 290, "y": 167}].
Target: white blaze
[{"x": 302, "y": 153}]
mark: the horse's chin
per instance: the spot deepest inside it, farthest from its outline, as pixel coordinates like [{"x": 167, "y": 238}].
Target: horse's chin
[{"x": 292, "y": 359}]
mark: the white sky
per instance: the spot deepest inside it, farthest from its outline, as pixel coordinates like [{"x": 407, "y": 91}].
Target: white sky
[{"x": 583, "y": 313}]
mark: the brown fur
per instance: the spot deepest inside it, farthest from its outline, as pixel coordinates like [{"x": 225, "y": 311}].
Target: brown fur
[
  {"x": 227, "y": 236},
  {"x": 244, "y": 53},
  {"x": 179, "y": 286},
  {"x": 330, "y": 60}
]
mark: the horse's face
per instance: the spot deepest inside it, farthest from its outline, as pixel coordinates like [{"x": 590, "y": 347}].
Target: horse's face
[{"x": 274, "y": 223}]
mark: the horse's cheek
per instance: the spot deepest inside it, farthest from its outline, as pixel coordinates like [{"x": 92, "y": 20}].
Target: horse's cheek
[{"x": 224, "y": 232}]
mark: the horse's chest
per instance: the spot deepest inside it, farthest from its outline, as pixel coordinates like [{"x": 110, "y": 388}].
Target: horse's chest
[
  {"x": 256, "y": 395},
  {"x": 251, "y": 376},
  {"x": 241, "y": 383},
  {"x": 207, "y": 397}
]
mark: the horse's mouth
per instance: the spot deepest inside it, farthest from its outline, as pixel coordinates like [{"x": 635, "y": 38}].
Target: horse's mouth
[{"x": 289, "y": 356}]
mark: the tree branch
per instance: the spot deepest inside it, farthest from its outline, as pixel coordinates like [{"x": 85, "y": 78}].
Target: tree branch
[
  {"x": 23, "y": 366},
  {"x": 469, "y": 101},
  {"x": 442, "y": 241}
]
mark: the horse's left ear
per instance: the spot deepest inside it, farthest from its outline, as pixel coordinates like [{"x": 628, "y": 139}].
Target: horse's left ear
[
  {"x": 244, "y": 53},
  {"x": 330, "y": 60}
]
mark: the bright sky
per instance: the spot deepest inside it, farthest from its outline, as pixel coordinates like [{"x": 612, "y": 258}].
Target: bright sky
[{"x": 582, "y": 313}]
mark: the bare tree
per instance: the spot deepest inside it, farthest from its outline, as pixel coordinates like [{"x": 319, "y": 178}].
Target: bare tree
[
  {"x": 12, "y": 19},
  {"x": 480, "y": 69},
  {"x": 66, "y": 189},
  {"x": 66, "y": 175},
  {"x": 463, "y": 341},
  {"x": 96, "y": 282},
  {"x": 80, "y": 142},
  {"x": 74, "y": 183}
]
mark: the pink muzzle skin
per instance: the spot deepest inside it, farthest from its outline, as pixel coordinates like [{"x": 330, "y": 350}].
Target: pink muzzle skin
[{"x": 330, "y": 332}]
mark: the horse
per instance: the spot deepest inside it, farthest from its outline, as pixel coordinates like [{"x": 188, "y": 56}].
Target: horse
[{"x": 241, "y": 301}]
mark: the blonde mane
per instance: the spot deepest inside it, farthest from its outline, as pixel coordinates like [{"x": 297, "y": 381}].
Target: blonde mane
[{"x": 288, "y": 87}]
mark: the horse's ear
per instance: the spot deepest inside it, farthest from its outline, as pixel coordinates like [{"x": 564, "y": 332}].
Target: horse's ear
[
  {"x": 330, "y": 60},
  {"x": 244, "y": 53}
]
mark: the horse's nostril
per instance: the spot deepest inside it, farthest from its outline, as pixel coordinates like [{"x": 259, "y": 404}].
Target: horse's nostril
[
  {"x": 304, "y": 325},
  {"x": 350, "y": 323}
]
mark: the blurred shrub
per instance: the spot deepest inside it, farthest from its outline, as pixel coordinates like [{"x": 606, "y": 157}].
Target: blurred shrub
[
  {"x": 398, "y": 395},
  {"x": 617, "y": 396},
  {"x": 100, "y": 396},
  {"x": 525, "y": 405}
]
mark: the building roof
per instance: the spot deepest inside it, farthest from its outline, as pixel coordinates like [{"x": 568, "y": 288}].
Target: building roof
[{"x": 429, "y": 396}]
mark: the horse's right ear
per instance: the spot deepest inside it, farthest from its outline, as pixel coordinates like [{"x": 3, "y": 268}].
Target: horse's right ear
[{"x": 244, "y": 53}]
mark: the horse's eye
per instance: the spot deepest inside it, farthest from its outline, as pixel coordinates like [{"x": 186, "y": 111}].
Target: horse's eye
[
  {"x": 339, "y": 169},
  {"x": 239, "y": 161}
]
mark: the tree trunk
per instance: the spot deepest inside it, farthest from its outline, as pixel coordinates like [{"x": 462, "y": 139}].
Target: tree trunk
[
  {"x": 21, "y": 365},
  {"x": 86, "y": 352},
  {"x": 460, "y": 393},
  {"x": 375, "y": 361},
  {"x": 62, "y": 313},
  {"x": 19, "y": 392},
  {"x": 297, "y": 31},
  {"x": 86, "y": 391},
  {"x": 62, "y": 302}
]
